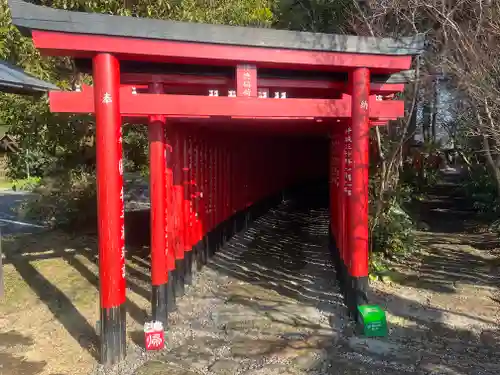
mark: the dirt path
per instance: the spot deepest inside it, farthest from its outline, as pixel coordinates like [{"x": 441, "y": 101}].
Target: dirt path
[
  {"x": 267, "y": 304},
  {"x": 271, "y": 308},
  {"x": 262, "y": 305},
  {"x": 444, "y": 305}
]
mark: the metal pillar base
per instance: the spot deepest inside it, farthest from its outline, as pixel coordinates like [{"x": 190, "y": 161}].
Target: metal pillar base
[
  {"x": 113, "y": 335},
  {"x": 180, "y": 270},
  {"x": 159, "y": 303},
  {"x": 188, "y": 264}
]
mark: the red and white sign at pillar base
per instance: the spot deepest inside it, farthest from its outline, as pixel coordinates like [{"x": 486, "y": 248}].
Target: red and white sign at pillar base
[
  {"x": 348, "y": 162},
  {"x": 154, "y": 335}
]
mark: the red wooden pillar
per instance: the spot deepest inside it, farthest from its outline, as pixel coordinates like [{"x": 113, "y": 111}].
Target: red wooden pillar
[
  {"x": 213, "y": 241},
  {"x": 333, "y": 179},
  {"x": 233, "y": 184},
  {"x": 237, "y": 181},
  {"x": 110, "y": 207},
  {"x": 237, "y": 185},
  {"x": 229, "y": 179},
  {"x": 356, "y": 187},
  {"x": 203, "y": 184},
  {"x": 157, "y": 170},
  {"x": 251, "y": 176},
  {"x": 210, "y": 184},
  {"x": 178, "y": 216},
  {"x": 226, "y": 177},
  {"x": 186, "y": 208},
  {"x": 248, "y": 181},
  {"x": 246, "y": 190},
  {"x": 198, "y": 208},
  {"x": 169, "y": 213},
  {"x": 220, "y": 191},
  {"x": 261, "y": 174},
  {"x": 246, "y": 86},
  {"x": 193, "y": 194},
  {"x": 224, "y": 191},
  {"x": 338, "y": 206},
  {"x": 209, "y": 158}
]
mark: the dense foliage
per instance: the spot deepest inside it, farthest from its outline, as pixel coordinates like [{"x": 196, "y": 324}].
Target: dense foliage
[
  {"x": 59, "y": 150},
  {"x": 59, "y": 142}
]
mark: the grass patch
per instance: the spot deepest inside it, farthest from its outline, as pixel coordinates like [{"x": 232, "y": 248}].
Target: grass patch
[
  {"x": 5, "y": 184},
  {"x": 52, "y": 300}
]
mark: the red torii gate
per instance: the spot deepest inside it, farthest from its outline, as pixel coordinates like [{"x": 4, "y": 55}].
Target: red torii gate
[{"x": 207, "y": 181}]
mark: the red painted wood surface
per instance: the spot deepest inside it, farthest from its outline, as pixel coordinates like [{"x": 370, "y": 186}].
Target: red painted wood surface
[
  {"x": 169, "y": 201},
  {"x": 201, "y": 84},
  {"x": 142, "y": 105},
  {"x": 178, "y": 195},
  {"x": 157, "y": 177},
  {"x": 246, "y": 80},
  {"x": 86, "y": 46},
  {"x": 356, "y": 175},
  {"x": 110, "y": 207}
]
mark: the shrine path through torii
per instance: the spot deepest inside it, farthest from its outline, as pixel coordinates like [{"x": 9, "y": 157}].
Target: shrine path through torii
[{"x": 208, "y": 179}]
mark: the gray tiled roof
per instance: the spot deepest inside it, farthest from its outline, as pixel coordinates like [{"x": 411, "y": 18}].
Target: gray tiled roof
[
  {"x": 15, "y": 80},
  {"x": 29, "y": 17}
]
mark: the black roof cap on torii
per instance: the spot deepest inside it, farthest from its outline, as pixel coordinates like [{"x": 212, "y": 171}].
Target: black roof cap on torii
[
  {"x": 15, "y": 80},
  {"x": 29, "y": 17}
]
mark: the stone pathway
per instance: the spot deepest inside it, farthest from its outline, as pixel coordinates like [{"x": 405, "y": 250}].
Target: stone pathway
[
  {"x": 443, "y": 306},
  {"x": 267, "y": 304},
  {"x": 262, "y": 305}
]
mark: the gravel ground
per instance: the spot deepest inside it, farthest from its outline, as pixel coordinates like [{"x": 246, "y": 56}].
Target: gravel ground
[
  {"x": 261, "y": 303},
  {"x": 267, "y": 304}
]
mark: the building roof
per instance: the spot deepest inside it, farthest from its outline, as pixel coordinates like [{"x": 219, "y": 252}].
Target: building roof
[
  {"x": 28, "y": 17},
  {"x": 15, "y": 80}
]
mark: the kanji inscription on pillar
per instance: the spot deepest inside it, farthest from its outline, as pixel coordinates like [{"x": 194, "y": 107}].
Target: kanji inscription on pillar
[
  {"x": 121, "y": 197},
  {"x": 364, "y": 105},
  {"x": 356, "y": 156},
  {"x": 106, "y": 98},
  {"x": 348, "y": 162},
  {"x": 335, "y": 160}
]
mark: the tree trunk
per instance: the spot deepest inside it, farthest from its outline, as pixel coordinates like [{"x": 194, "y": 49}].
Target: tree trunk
[
  {"x": 434, "y": 108},
  {"x": 426, "y": 120},
  {"x": 492, "y": 166}
]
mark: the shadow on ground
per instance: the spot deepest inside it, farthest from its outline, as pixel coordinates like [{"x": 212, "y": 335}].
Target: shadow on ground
[
  {"x": 453, "y": 252},
  {"x": 441, "y": 304},
  {"x": 287, "y": 251},
  {"x": 269, "y": 303},
  {"x": 12, "y": 363}
]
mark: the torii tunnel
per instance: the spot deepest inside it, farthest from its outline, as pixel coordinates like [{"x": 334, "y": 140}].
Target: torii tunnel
[{"x": 236, "y": 117}]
